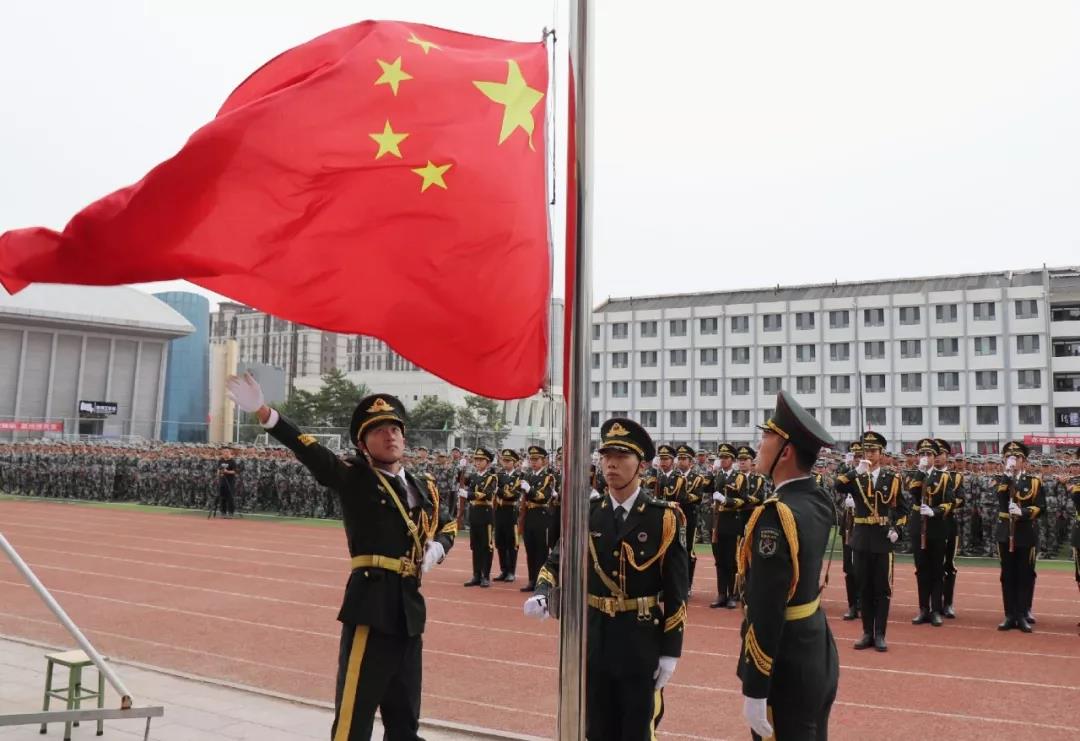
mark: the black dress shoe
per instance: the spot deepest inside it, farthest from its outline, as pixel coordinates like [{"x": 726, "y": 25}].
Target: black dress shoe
[
  {"x": 500, "y": 577},
  {"x": 731, "y": 604},
  {"x": 510, "y": 578},
  {"x": 485, "y": 583},
  {"x": 1030, "y": 618},
  {"x": 936, "y": 620},
  {"x": 718, "y": 603},
  {"x": 1023, "y": 625},
  {"x": 1007, "y": 624},
  {"x": 474, "y": 582},
  {"x": 879, "y": 643},
  {"x": 530, "y": 587},
  {"x": 851, "y": 614},
  {"x": 921, "y": 618},
  {"x": 949, "y": 612},
  {"x": 865, "y": 642}
]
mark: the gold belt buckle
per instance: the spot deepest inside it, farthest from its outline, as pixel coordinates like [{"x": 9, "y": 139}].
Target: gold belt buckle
[
  {"x": 643, "y": 615},
  {"x": 408, "y": 566},
  {"x": 607, "y": 606}
]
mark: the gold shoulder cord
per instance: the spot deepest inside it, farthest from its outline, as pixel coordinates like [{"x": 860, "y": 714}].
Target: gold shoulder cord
[
  {"x": 666, "y": 538},
  {"x": 413, "y": 530}
]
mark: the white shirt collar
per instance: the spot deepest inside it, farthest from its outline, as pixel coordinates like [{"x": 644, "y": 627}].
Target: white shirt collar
[
  {"x": 628, "y": 504},
  {"x": 785, "y": 483}
]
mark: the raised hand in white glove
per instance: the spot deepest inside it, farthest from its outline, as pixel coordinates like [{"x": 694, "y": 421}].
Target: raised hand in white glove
[
  {"x": 664, "y": 671},
  {"x": 849, "y": 458},
  {"x": 245, "y": 392},
  {"x": 718, "y": 497},
  {"x": 536, "y": 607},
  {"x": 756, "y": 714},
  {"x": 849, "y": 502},
  {"x": 893, "y": 536},
  {"x": 926, "y": 510},
  {"x": 525, "y": 486},
  {"x": 434, "y": 553},
  {"x": 717, "y": 466},
  {"x": 1014, "y": 509},
  {"x": 924, "y": 464},
  {"x": 1010, "y": 463},
  {"x": 656, "y": 462},
  {"x": 863, "y": 467},
  {"x": 594, "y": 494},
  {"x": 462, "y": 494}
]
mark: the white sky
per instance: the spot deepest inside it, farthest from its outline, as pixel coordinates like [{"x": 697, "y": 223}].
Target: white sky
[{"x": 738, "y": 144}]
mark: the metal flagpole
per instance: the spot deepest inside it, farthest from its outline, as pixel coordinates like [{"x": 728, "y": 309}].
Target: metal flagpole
[{"x": 575, "y": 507}]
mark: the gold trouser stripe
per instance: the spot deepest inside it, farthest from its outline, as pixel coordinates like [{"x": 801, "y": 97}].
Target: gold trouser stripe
[
  {"x": 803, "y": 611},
  {"x": 491, "y": 538},
  {"x": 657, "y": 708},
  {"x": 352, "y": 681}
]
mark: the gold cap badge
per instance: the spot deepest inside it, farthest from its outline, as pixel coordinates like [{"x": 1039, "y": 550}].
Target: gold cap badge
[{"x": 379, "y": 406}]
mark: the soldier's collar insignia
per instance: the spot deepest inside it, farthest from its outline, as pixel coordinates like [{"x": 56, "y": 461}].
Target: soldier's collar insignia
[
  {"x": 617, "y": 430},
  {"x": 379, "y": 406}
]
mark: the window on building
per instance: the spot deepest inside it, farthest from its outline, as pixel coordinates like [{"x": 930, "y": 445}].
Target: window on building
[
  {"x": 1068, "y": 347},
  {"x": 910, "y": 349},
  {"x": 708, "y": 325},
  {"x": 596, "y": 331},
  {"x": 986, "y": 380},
  {"x": 740, "y": 386},
  {"x": 805, "y": 353},
  {"x": 740, "y": 355},
  {"x": 948, "y": 381},
  {"x": 709, "y": 355},
  {"x": 620, "y": 331},
  {"x": 596, "y": 361},
  {"x": 984, "y": 311},
  {"x": 1066, "y": 416},
  {"x": 648, "y": 388},
  {"x": 740, "y": 324},
  {"x": 946, "y": 313},
  {"x": 648, "y": 329},
  {"x": 986, "y": 415},
  {"x": 707, "y": 418},
  {"x": 740, "y": 417},
  {"x": 985, "y": 346},
  {"x": 677, "y": 357},
  {"x": 806, "y": 384},
  {"x": 839, "y": 351},
  {"x": 595, "y": 389},
  {"x": 875, "y": 383},
  {"x": 620, "y": 360},
  {"x": 770, "y": 385},
  {"x": 1027, "y": 344},
  {"x": 804, "y": 320},
  {"x": 620, "y": 389},
  {"x": 910, "y": 315},
  {"x": 649, "y": 358},
  {"x": 772, "y": 322},
  {"x": 709, "y": 386},
  {"x": 873, "y": 317},
  {"x": 1029, "y": 379},
  {"x": 677, "y": 388},
  {"x": 840, "y": 384},
  {"x": 648, "y": 419},
  {"x": 773, "y": 353},
  {"x": 874, "y": 350},
  {"x": 839, "y": 319},
  {"x": 948, "y": 347},
  {"x": 875, "y": 416},
  {"x": 948, "y": 415},
  {"x": 840, "y": 417},
  {"x": 1030, "y": 414},
  {"x": 1065, "y": 381},
  {"x": 1065, "y": 313},
  {"x": 911, "y": 416},
  {"x": 594, "y": 419},
  {"x": 677, "y": 327},
  {"x": 911, "y": 382},
  {"x": 1027, "y": 308},
  {"x": 677, "y": 418}
]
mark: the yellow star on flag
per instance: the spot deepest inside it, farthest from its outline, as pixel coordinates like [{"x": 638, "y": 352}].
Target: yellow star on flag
[
  {"x": 425, "y": 45},
  {"x": 518, "y": 98},
  {"x": 392, "y": 74},
  {"x": 432, "y": 175},
  {"x": 388, "y": 141}
]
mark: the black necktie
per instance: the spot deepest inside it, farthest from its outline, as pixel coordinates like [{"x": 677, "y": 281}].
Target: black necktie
[{"x": 620, "y": 518}]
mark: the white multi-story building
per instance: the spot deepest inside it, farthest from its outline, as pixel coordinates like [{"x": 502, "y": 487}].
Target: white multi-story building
[{"x": 976, "y": 359}]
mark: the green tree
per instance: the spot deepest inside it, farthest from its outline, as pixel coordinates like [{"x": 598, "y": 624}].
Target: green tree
[
  {"x": 300, "y": 408},
  {"x": 336, "y": 401},
  {"x": 430, "y": 422},
  {"x": 481, "y": 421}
]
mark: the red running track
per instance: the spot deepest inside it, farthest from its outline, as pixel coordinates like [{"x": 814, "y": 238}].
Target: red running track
[{"x": 255, "y": 602}]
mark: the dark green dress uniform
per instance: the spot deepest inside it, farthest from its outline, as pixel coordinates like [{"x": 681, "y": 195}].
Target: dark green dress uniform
[
  {"x": 537, "y": 518},
  {"x": 638, "y": 582},
  {"x": 878, "y": 509},
  {"x": 753, "y": 487},
  {"x": 693, "y": 488},
  {"x": 1074, "y": 541},
  {"x": 847, "y": 524},
  {"x": 506, "y": 516},
  {"x": 953, "y": 518},
  {"x": 788, "y": 654},
  {"x": 383, "y": 612},
  {"x": 725, "y": 530},
  {"x": 933, "y": 488},
  {"x": 1018, "y": 539},
  {"x": 480, "y": 491},
  {"x": 555, "y": 507}
]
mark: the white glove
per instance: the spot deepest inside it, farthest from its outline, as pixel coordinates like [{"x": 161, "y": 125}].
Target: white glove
[
  {"x": 656, "y": 462},
  {"x": 1014, "y": 509},
  {"x": 462, "y": 494},
  {"x": 893, "y": 536},
  {"x": 924, "y": 464},
  {"x": 848, "y": 458},
  {"x": 536, "y": 607},
  {"x": 926, "y": 510},
  {"x": 718, "y": 497},
  {"x": 594, "y": 494},
  {"x": 717, "y": 466},
  {"x": 863, "y": 467},
  {"x": 434, "y": 553},
  {"x": 525, "y": 486},
  {"x": 245, "y": 392},
  {"x": 554, "y": 495},
  {"x": 462, "y": 463},
  {"x": 756, "y": 715},
  {"x": 849, "y": 502},
  {"x": 664, "y": 671},
  {"x": 1010, "y": 463}
]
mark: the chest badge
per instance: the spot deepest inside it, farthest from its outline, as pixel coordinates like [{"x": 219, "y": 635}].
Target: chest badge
[{"x": 642, "y": 536}]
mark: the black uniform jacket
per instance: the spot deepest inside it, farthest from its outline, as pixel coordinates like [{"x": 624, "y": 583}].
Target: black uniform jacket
[
  {"x": 877, "y": 508},
  {"x": 935, "y": 488},
  {"x": 374, "y": 526},
  {"x": 1028, "y": 493},
  {"x": 645, "y": 558}
]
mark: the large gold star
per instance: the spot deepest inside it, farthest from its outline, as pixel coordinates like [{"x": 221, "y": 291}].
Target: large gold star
[
  {"x": 388, "y": 141},
  {"x": 425, "y": 45},
  {"x": 392, "y": 74},
  {"x": 518, "y": 98},
  {"x": 432, "y": 175}
]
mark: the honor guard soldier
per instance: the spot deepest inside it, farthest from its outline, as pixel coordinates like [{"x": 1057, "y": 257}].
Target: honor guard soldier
[
  {"x": 752, "y": 485},
  {"x": 512, "y": 485},
  {"x": 1074, "y": 494},
  {"x": 555, "y": 507},
  {"x": 669, "y": 485},
  {"x": 726, "y": 527},
  {"x": 873, "y": 492},
  {"x": 479, "y": 492},
  {"x": 1021, "y": 502},
  {"x": 930, "y": 492},
  {"x": 957, "y": 481},
  {"x": 788, "y": 662},
  {"x": 847, "y": 524},
  {"x": 397, "y": 529},
  {"x": 693, "y": 488},
  {"x": 638, "y": 580},
  {"x": 535, "y": 517}
]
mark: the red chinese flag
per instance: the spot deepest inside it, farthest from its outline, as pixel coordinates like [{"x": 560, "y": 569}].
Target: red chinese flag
[{"x": 384, "y": 179}]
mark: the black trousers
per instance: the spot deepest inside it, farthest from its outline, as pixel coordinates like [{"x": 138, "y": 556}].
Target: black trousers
[
  {"x": 952, "y": 545},
  {"x": 800, "y": 701},
  {"x": 535, "y": 540},
  {"x": 873, "y": 576},
  {"x": 691, "y": 538},
  {"x": 481, "y": 541},
  {"x": 377, "y": 671},
  {"x": 227, "y": 500},
  {"x": 621, "y": 708},
  {"x": 1017, "y": 579},
  {"x": 930, "y": 574},
  {"x": 554, "y": 527},
  {"x": 724, "y": 554},
  {"x": 850, "y": 583},
  {"x": 506, "y": 538}
]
